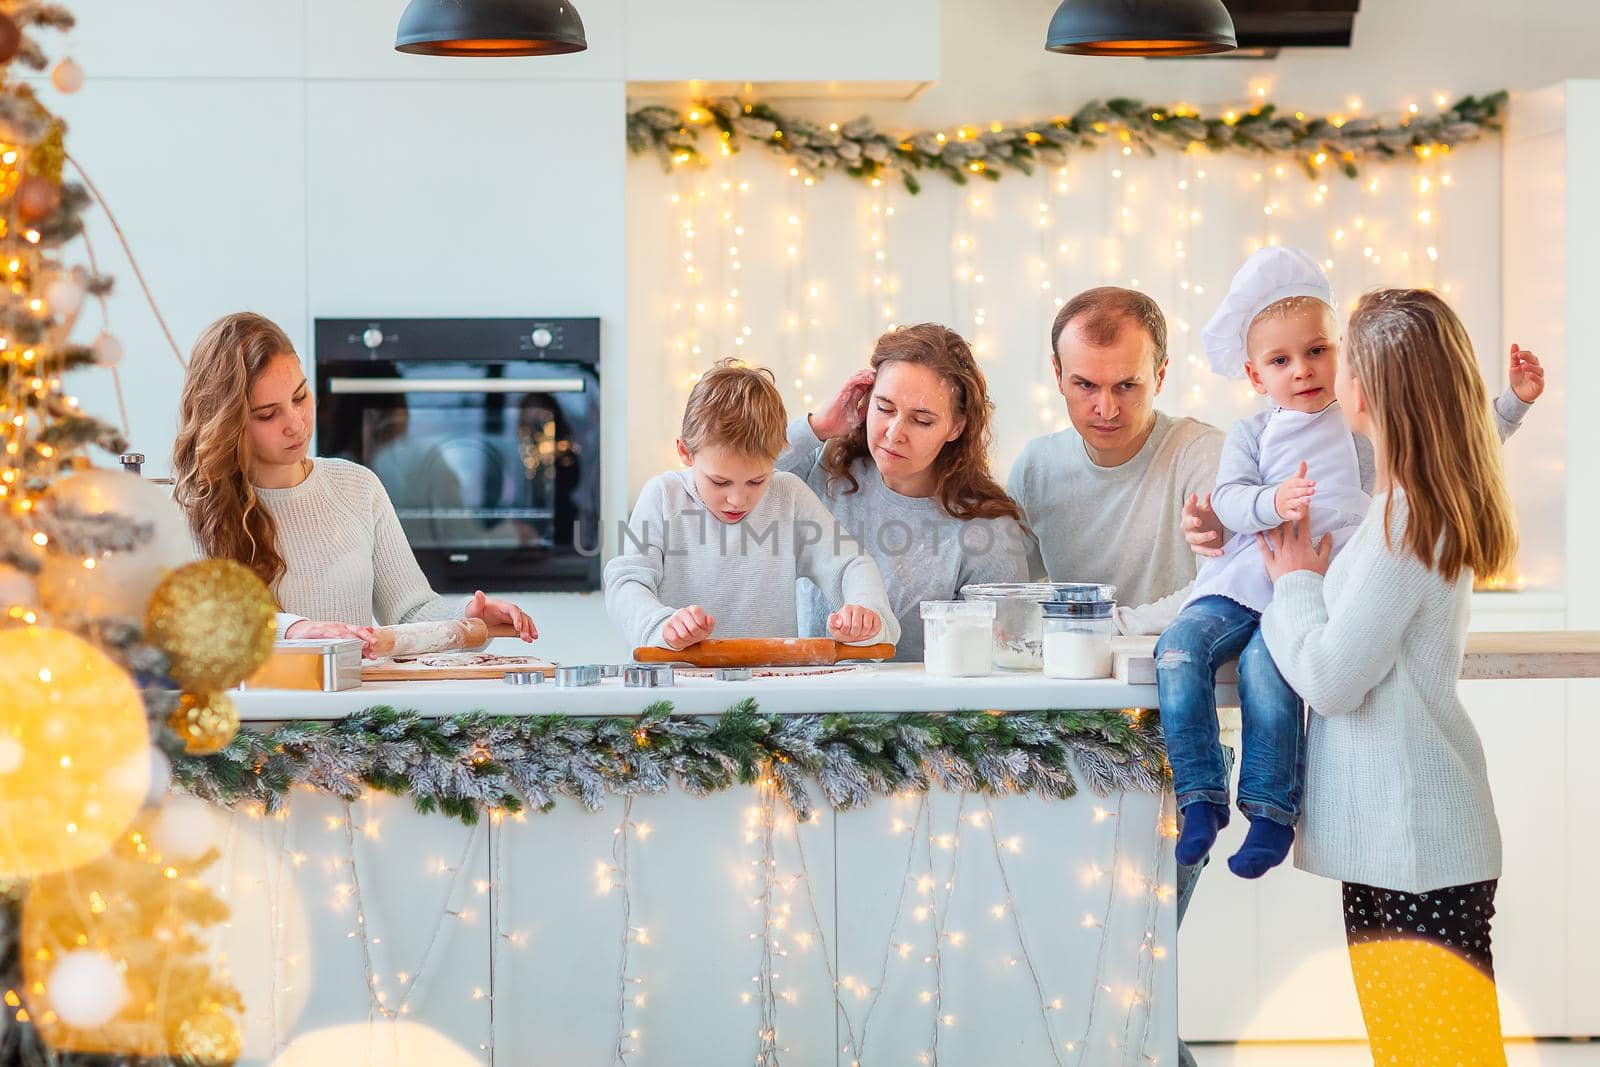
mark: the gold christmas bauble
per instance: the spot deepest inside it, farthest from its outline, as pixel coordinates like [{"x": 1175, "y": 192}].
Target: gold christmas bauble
[
  {"x": 215, "y": 620},
  {"x": 206, "y": 722},
  {"x": 69, "y": 719},
  {"x": 209, "y": 1038}
]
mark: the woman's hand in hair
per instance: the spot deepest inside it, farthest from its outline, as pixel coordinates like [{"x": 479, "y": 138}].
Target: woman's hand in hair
[
  {"x": 1201, "y": 527},
  {"x": 847, "y": 410},
  {"x": 306, "y": 630},
  {"x": 1527, "y": 375},
  {"x": 1290, "y": 548},
  {"x": 496, "y": 612}
]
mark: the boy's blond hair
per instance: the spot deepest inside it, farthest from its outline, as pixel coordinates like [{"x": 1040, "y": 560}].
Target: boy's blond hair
[{"x": 737, "y": 407}]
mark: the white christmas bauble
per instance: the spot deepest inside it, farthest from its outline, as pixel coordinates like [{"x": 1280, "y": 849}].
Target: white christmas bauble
[
  {"x": 186, "y": 827},
  {"x": 65, "y": 295},
  {"x": 17, "y": 589},
  {"x": 68, "y": 76},
  {"x": 119, "y": 584},
  {"x": 147, "y": 769},
  {"x": 107, "y": 350},
  {"x": 85, "y": 989}
]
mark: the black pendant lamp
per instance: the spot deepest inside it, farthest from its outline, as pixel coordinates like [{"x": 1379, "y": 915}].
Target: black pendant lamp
[
  {"x": 1141, "y": 28},
  {"x": 490, "y": 28}
]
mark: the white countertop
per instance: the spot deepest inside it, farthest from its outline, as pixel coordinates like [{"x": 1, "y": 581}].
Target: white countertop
[{"x": 885, "y": 687}]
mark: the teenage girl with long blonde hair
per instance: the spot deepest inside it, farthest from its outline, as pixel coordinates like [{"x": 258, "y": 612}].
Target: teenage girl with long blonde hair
[
  {"x": 321, "y": 533},
  {"x": 1397, "y": 801}
]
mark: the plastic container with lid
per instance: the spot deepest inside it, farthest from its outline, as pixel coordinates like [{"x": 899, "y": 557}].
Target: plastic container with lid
[
  {"x": 1018, "y": 633},
  {"x": 957, "y": 638},
  {"x": 1077, "y": 631}
]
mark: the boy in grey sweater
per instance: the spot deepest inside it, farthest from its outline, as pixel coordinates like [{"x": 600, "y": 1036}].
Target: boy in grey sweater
[{"x": 716, "y": 549}]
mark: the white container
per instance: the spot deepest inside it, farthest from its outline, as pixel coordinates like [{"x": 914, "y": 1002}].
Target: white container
[
  {"x": 957, "y": 638},
  {"x": 1077, "y": 638}
]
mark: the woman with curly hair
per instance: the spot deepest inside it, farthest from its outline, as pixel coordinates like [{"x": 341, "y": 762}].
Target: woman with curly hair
[{"x": 901, "y": 458}]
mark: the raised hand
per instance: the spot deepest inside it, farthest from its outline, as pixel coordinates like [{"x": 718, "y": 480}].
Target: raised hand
[
  {"x": 1527, "y": 375},
  {"x": 847, "y": 409},
  {"x": 1293, "y": 498},
  {"x": 853, "y": 623},
  {"x": 688, "y": 626}
]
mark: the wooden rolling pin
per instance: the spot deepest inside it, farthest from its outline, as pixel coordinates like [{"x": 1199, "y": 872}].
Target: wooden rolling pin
[
  {"x": 764, "y": 652},
  {"x": 421, "y": 638}
]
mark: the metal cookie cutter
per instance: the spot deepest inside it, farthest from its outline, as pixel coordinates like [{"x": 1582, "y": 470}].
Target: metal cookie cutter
[
  {"x": 576, "y": 677},
  {"x": 732, "y": 674},
  {"x": 647, "y": 677},
  {"x": 525, "y": 678},
  {"x": 611, "y": 670}
]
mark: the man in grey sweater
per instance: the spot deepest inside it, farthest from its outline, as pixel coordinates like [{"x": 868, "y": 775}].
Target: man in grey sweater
[{"x": 1104, "y": 499}]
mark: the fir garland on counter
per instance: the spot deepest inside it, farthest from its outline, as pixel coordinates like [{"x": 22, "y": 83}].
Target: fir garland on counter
[
  {"x": 465, "y": 765},
  {"x": 864, "y": 152}
]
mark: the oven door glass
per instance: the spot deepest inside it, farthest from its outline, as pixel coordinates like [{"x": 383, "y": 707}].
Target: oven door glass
[{"x": 492, "y": 468}]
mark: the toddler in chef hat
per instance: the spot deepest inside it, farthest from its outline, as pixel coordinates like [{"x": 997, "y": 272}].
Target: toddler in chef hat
[{"x": 1295, "y": 460}]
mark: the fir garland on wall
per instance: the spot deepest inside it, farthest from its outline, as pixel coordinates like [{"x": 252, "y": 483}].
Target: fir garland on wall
[
  {"x": 465, "y": 765},
  {"x": 861, "y": 150}
]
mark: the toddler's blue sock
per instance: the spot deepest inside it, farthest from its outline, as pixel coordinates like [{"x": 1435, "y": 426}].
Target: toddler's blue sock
[
  {"x": 1201, "y": 821},
  {"x": 1265, "y": 846}
]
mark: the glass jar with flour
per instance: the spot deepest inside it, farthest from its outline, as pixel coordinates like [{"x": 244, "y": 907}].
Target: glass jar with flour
[
  {"x": 1019, "y": 616},
  {"x": 1077, "y": 630},
  {"x": 957, "y": 639}
]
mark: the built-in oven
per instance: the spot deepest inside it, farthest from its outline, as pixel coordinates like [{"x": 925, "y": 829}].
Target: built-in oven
[{"x": 486, "y": 434}]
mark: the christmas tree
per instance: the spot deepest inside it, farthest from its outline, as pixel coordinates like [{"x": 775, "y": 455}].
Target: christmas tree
[{"x": 103, "y": 926}]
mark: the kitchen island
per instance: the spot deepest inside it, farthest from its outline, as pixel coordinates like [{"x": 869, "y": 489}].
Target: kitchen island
[
  {"x": 718, "y": 929},
  {"x": 940, "y": 926}
]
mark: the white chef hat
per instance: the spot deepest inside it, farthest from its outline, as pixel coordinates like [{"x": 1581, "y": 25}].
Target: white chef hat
[{"x": 1272, "y": 274}]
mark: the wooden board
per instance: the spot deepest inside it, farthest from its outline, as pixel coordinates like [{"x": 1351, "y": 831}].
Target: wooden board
[
  {"x": 438, "y": 668},
  {"x": 1523, "y": 654}
]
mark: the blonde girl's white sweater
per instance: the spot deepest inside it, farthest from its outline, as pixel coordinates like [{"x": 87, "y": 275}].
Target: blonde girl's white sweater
[
  {"x": 347, "y": 556},
  {"x": 1397, "y": 789}
]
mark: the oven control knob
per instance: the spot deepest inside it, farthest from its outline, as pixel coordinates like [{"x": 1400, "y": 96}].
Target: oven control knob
[
  {"x": 373, "y": 337},
  {"x": 542, "y": 338}
]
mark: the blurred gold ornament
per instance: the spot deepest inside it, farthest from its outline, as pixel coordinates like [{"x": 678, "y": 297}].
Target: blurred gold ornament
[
  {"x": 153, "y": 918},
  {"x": 67, "y": 785},
  {"x": 216, "y": 620},
  {"x": 47, "y": 158},
  {"x": 208, "y": 1038},
  {"x": 206, "y": 722}
]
